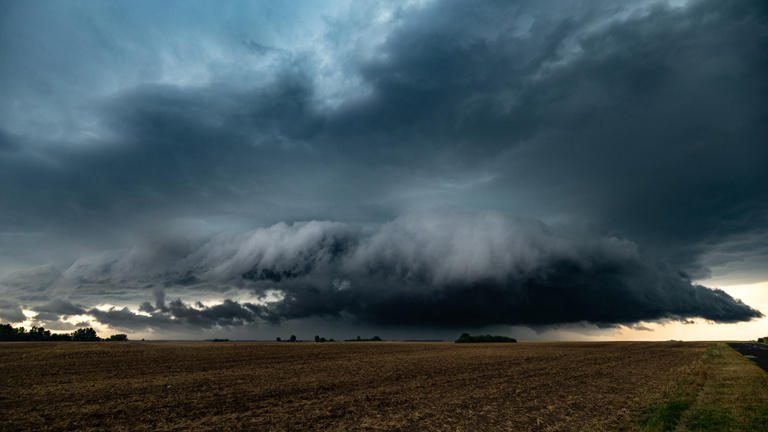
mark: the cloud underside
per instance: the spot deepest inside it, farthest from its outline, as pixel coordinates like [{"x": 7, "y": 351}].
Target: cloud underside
[
  {"x": 646, "y": 120},
  {"x": 426, "y": 270},
  {"x": 640, "y": 126}
]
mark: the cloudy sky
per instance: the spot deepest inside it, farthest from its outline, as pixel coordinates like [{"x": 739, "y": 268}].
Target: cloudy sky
[{"x": 544, "y": 169}]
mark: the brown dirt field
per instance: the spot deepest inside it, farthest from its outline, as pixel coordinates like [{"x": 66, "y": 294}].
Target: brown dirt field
[{"x": 334, "y": 386}]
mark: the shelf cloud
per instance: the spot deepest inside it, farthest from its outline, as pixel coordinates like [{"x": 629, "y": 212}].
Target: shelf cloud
[
  {"x": 421, "y": 163},
  {"x": 431, "y": 270}
]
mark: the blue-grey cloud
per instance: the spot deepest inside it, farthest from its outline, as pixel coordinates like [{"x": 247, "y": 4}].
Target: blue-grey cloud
[
  {"x": 56, "y": 309},
  {"x": 11, "y": 311},
  {"x": 423, "y": 270},
  {"x": 641, "y": 120}
]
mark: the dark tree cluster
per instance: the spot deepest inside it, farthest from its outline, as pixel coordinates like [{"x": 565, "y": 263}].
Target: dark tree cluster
[
  {"x": 359, "y": 339},
  {"x": 85, "y": 335},
  {"x": 10, "y": 333},
  {"x": 321, "y": 339},
  {"x": 763, "y": 340},
  {"x": 467, "y": 338}
]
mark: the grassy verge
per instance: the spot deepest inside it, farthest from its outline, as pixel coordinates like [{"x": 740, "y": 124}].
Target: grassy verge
[{"x": 723, "y": 391}]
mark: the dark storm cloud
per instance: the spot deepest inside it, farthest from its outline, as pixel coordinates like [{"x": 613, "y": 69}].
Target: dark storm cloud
[
  {"x": 640, "y": 120},
  {"x": 179, "y": 314},
  {"x": 652, "y": 126},
  {"x": 57, "y": 308},
  {"x": 173, "y": 148},
  {"x": 423, "y": 270},
  {"x": 659, "y": 128},
  {"x": 30, "y": 281},
  {"x": 649, "y": 124},
  {"x": 11, "y": 312}
]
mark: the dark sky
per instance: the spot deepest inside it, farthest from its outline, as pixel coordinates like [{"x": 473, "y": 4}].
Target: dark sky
[{"x": 190, "y": 168}]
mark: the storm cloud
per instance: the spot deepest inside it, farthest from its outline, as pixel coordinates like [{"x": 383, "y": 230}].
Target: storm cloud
[
  {"x": 10, "y": 311},
  {"x": 421, "y": 270},
  {"x": 57, "y": 308},
  {"x": 527, "y": 162},
  {"x": 178, "y": 314}
]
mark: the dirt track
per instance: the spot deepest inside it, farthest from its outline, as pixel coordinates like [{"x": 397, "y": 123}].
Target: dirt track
[{"x": 334, "y": 386}]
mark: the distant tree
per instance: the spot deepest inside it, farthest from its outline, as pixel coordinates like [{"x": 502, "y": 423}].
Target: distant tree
[
  {"x": 7, "y": 332},
  {"x": 61, "y": 337},
  {"x": 118, "y": 337},
  {"x": 278, "y": 339},
  {"x": 467, "y": 338},
  {"x": 293, "y": 338},
  {"x": 85, "y": 334},
  {"x": 359, "y": 339},
  {"x": 317, "y": 338}
]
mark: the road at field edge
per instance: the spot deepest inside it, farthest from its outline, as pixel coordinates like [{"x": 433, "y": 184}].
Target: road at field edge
[{"x": 755, "y": 352}]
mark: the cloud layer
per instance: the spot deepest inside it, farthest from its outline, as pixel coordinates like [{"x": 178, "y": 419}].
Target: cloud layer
[
  {"x": 424, "y": 270},
  {"x": 643, "y": 120}
]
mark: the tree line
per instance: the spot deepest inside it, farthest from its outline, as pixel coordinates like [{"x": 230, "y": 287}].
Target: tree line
[
  {"x": 467, "y": 338},
  {"x": 322, "y": 339},
  {"x": 87, "y": 334}
]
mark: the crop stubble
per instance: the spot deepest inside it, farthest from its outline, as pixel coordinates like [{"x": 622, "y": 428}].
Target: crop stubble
[{"x": 333, "y": 386}]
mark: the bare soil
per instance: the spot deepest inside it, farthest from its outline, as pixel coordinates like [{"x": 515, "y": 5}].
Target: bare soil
[{"x": 335, "y": 386}]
